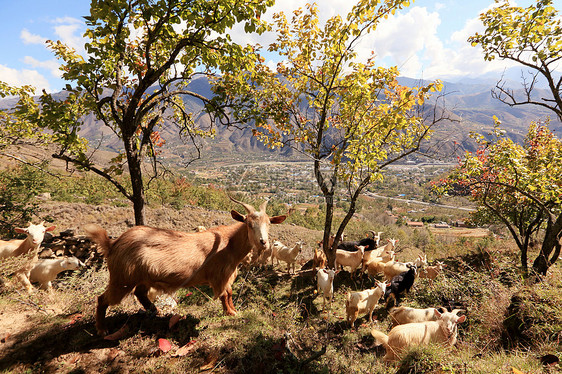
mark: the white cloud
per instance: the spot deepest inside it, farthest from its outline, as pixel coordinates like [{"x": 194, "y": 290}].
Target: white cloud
[
  {"x": 29, "y": 38},
  {"x": 69, "y": 34},
  {"x": 23, "y": 77},
  {"x": 51, "y": 65}
]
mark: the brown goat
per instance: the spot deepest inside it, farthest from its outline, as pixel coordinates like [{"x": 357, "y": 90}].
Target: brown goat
[
  {"x": 144, "y": 257},
  {"x": 319, "y": 260}
]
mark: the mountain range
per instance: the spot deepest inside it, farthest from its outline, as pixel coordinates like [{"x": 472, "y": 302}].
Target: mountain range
[{"x": 469, "y": 104}]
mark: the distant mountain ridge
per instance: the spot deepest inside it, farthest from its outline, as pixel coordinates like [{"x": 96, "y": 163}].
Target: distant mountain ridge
[{"x": 470, "y": 105}]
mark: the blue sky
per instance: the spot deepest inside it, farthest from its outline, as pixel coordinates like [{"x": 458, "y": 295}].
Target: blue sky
[{"x": 427, "y": 40}]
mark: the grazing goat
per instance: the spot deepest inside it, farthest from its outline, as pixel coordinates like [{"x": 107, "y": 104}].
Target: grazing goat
[
  {"x": 319, "y": 260},
  {"x": 46, "y": 270},
  {"x": 288, "y": 255},
  {"x": 443, "y": 330},
  {"x": 325, "y": 281},
  {"x": 144, "y": 257},
  {"x": 351, "y": 259},
  {"x": 403, "y": 315},
  {"x": 363, "y": 302},
  {"x": 431, "y": 272},
  {"x": 393, "y": 268},
  {"x": 29, "y": 245},
  {"x": 400, "y": 284}
]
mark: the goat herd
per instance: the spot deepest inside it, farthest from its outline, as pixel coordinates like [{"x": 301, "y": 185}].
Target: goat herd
[{"x": 147, "y": 261}]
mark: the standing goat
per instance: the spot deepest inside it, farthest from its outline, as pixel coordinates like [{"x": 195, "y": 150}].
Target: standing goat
[
  {"x": 363, "y": 302},
  {"x": 287, "y": 255},
  {"x": 351, "y": 259},
  {"x": 431, "y": 272},
  {"x": 319, "y": 260},
  {"x": 444, "y": 331},
  {"x": 400, "y": 284},
  {"x": 29, "y": 245},
  {"x": 325, "y": 280},
  {"x": 166, "y": 260}
]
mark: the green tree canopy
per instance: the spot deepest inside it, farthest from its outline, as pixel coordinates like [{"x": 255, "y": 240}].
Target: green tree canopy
[
  {"x": 532, "y": 37},
  {"x": 351, "y": 117},
  {"x": 141, "y": 56},
  {"x": 519, "y": 185}
]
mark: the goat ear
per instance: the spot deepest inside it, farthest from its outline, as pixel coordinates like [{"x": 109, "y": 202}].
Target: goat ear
[
  {"x": 277, "y": 219},
  {"x": 50, "y": 228},
  {"x": 437, "y": 313},
  {"x": 237, "y": 216},
  {"x": 20, "y": 230},
  {"x": 461, "y": 319}
]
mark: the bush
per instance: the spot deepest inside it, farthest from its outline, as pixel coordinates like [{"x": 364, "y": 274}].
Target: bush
[{"x": 18, "y": 188}]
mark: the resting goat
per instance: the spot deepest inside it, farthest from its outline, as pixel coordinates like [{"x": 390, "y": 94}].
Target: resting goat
[
  {"x": 363, "y": 302},
  {"x": 29, "y": 245},
  {"x": 145, "y": 257},
  {"x": 46, "y": 270},
  {"x": 444, "y": 331},
  {"x": 403, "y": 315}
]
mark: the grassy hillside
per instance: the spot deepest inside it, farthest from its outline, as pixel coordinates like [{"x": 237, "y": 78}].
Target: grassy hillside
[{"x": 280, "y": 326}]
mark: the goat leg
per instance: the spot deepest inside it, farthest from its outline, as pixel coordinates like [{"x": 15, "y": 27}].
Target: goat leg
[
  {"x": 141, "y": 292},
  {"x": 101, "y": 309}
]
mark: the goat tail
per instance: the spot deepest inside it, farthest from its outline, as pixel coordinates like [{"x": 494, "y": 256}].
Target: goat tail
[
  {"x": 100, "y": 237},
  {"x": 380, "y": 337}
]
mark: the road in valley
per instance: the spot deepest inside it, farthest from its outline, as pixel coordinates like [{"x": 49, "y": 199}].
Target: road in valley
[{"x": 376, "y": 196}]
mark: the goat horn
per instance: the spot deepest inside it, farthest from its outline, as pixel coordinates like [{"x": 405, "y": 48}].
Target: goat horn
[
  {"x": 263, "y": 205},
  {"x": 372, "y": 232},
  {"x": 250, "y": 209}
]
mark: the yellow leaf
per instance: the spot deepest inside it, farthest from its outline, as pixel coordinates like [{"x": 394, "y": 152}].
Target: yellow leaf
[{"x": 515, "y": 371}]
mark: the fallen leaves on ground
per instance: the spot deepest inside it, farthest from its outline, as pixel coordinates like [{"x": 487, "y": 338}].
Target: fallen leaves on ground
[
  {"x": 187, "y": 348},
  {"x": 164, "y": 345}
]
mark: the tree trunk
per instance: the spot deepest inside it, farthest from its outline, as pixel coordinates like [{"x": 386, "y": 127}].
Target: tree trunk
[
  {"x": 135, "y": 172},
  {"x": 524, "y": 257},
  {"x": 550, "y": 242},
  {"x": 329, "y": 250}
]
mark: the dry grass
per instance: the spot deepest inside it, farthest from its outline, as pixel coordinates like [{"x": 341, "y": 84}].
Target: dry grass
[{"x": 280, "y": 326}]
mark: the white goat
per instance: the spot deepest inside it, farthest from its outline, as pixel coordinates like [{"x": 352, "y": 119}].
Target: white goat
[
  {"x": 389, "y": 246},
  {"x": 443, "y": 330},
  {"x": 351, "y": 259},
  {"x": 286, "y": 254},
  {"x": 18, "y": 247},
  {"x": 402, "y": 315},
  {"x": 325, "y": 280},
  {"x": 394, "y": 268},
  {"x": 363, "y": 302},
  {"x": 46, "y": 270}
]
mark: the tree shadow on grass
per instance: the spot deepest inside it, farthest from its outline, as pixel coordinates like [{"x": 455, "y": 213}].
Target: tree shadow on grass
[{"x": 40, "y": 349}]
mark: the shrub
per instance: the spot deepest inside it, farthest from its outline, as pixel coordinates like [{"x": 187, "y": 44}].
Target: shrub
[{"x": 18, "y": 188}]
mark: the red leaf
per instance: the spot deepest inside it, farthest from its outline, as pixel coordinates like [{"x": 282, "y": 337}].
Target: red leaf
[
  {"x": 117, "y": 334},
  {"x": 164, "y": 345}
]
